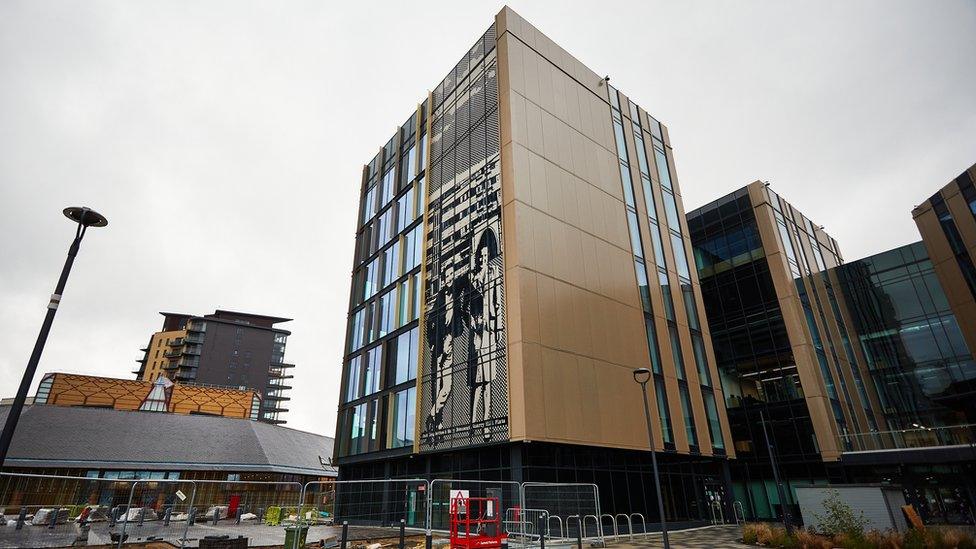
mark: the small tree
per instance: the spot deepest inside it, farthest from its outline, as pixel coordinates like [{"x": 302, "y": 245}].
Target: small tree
[{"x": 839, "y": 517}]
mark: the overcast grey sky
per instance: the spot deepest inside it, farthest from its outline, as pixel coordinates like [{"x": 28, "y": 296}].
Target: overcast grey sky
[{"x": 225, "y": 142}]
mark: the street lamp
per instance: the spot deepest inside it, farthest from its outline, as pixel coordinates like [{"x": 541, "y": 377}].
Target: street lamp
[
  {"x": 642, "y": 376},
  {"x": 787, "y": 521},
  {"x": 84, "y": 217}
]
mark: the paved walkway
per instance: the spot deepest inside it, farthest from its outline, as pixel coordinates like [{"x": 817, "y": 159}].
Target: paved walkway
[{"x": 696, "y": 538}]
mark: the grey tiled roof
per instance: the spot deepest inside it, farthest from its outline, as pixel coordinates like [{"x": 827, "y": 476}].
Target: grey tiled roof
[{"x": 58, "y": 436}]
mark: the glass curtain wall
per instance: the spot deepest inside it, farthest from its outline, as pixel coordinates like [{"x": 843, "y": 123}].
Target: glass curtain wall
[
  {"x": 380, "y": 368},
  {"x": 918, "y": 361}
]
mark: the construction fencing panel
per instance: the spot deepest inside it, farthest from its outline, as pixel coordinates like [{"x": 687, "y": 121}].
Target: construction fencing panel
[
  {"x": 155, "y": 510},
  {"x": 443, "y": 490},
  {"x": 60, "y": 511},
  {"x": 572, "y": 510},
  {"x": 372, "y": 510},
  {"x": 258, "y": 511}
]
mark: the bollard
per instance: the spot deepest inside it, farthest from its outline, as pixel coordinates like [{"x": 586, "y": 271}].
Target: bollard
[
  {"x": 542, "y": 532},
  {"x": 240, "y": 512},
  {"x": 428, "y": 542},
  {"x": 166, "y": 516},
  {"x": 21, "y": 518},
  {"x": 345, "y": 533},
  {"x": 403, "y": 526}
]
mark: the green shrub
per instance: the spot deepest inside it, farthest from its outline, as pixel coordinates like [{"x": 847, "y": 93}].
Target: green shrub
[
  {"x": 840, "y": 518},
  {"x": 272, "y": 517}
]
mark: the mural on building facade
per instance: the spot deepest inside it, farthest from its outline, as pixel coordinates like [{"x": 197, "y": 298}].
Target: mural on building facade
[{"x": 465, "y": 382}]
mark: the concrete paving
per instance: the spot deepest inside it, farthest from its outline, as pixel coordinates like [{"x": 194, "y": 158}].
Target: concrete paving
[
  {"x": 706, "y": 537},
  {"x": 31, "y": 536}
]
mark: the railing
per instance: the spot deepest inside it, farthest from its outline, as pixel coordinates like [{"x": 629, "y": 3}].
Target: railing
[{"x": 919, "y": 436}]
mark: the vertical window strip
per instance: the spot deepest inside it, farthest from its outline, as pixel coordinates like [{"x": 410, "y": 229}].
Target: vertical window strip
[
  {"x": 714, "y": 425},
  {"x": 955, "y": 242},
  {"x": 640, "y": 267},
  {"x": 689, "y": 417}
]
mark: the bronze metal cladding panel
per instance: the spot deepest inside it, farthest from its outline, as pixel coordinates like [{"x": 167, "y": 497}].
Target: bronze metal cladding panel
[
  {"x": 804, "y": 353},
  {"x": 575, "y": 326},
  {"x": 944, "y": 260}
]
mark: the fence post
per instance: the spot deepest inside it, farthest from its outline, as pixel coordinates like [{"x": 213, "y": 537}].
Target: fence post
[
  {"x": 166, "y": 516},
  {"x": 54, "y": 518},
  {"x": 428, "y": 539},
  {"x": 599, "y": 522},
  {"x": 579, "y": 536},
  {"x": 240, "y": 512},
  {"x": 21, "y": 518},
  {"x": 403, "y": 525},
  {"x": 189, "y": 515},
  {"x": 345, "y": 534},
  {"x": 301, "y": 502},
  {"x": 125, "y": 521},
  {"x": 543, "y": 524}
]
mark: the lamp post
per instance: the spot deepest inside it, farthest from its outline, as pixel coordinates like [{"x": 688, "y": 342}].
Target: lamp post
[
  {"x": 787, "y": 522},
  {"x": 642, "y": 376},
  {"x": 84, "y": 217}
]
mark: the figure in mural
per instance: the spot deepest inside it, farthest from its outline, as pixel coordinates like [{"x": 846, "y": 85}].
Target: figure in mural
[
  {"x": 445, "y": 331},
  {"x": 485, "y": 329}
]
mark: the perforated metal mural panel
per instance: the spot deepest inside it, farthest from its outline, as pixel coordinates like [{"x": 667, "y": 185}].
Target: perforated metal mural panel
[{"x": 464, "y": 370}]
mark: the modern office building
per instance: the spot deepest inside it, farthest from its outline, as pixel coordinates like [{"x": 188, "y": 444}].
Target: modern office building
[
  {"x": 948, "y": 227},
  {"x": 856, "y": 372},
  {"x": 162, "y": 395},
  {"x": 789, "y": 365},
  {"x": 225, "y": 349},
  {"x": 521, "y": 248},
  {"x": 925, "y": 379}
]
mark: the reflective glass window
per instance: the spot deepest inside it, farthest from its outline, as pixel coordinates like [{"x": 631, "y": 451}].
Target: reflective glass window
[
  {"x": 689, "y": 417},
  {"x": 662, "y": 169}
]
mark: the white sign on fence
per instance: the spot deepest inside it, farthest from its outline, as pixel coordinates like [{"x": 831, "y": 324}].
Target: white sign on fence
[{"x": 460, "y": 505}]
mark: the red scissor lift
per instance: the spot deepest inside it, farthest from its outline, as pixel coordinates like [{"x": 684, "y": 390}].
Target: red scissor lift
[{"x": 475, "y": 523}]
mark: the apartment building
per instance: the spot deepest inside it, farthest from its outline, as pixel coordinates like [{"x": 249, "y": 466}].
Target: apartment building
[{"x": 224, "y": 349}]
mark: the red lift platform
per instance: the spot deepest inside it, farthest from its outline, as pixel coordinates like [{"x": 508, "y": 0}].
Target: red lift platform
[{"x": 476, "y": 523}]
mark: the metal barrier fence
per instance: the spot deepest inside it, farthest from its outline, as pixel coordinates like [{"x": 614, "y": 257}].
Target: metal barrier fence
[
  {"x": 573, "y": 508},
  {"x": 443, "y": 490},
  {"x": 258, "y": 511},
  {"x": 59, "y": 511},
  {"x": 366, "y": 510}
]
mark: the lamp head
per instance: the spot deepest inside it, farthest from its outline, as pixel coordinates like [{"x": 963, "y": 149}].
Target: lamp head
[
  {"x": 642, "y": 375},
  {"x": 85, "y": 216}
]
